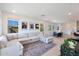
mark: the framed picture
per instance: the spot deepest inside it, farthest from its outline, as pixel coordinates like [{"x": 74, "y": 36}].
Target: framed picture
[
  {"x": 31, "y": 26},
  {"x": 49, "y": 27},
  {"x": 12, "y": 26},
  {"x": 41, "y": 27},
  {"x": 53, "y": 27},
  {"x": 24, "y": 25},
  {"x": 57, "y": 27},
  {"x": 37, "y": 26}
]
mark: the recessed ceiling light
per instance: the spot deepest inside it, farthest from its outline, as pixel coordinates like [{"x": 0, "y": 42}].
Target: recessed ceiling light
[
  {"x": 13, "y": 11},
  {"x": 69, "y": 13}
]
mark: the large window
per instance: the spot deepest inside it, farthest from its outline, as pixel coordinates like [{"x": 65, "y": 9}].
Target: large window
[{"x": 12, "y": 26}]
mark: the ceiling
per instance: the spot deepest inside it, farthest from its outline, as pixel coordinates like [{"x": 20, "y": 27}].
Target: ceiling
[{"x": 55, "y": 12}]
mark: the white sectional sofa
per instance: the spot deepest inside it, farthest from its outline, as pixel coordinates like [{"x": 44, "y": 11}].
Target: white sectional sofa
[
  {"x": 10, "y": 48},
  {"x": 15, "y": 49},
  {"x": 25, "y": 38},
  {"x": 13, "y": 43}
]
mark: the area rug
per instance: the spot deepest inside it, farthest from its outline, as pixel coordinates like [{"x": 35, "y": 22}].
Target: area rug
[{"x": 37, "y": 48}]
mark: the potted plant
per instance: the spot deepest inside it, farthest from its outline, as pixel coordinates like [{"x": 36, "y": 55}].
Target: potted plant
[{"x": 68, "y": 47}]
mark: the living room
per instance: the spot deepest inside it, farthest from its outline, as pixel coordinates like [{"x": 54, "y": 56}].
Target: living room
[{"x": 32, "y": 33}]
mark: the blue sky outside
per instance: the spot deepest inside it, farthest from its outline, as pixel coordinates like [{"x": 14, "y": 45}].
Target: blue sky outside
[{"x": 12, "y": 23}]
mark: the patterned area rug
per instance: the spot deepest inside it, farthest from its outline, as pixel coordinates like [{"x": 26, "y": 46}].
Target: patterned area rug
[{"x": 37, "y": 48}]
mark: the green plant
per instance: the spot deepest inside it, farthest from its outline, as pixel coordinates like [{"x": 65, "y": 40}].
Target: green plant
[
  {"x": 66, "y": 51},
  {"x": 68, "y": 47}
]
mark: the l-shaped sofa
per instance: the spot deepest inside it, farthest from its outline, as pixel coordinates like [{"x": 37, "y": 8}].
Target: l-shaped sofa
[{"x": 12, "y": 44}]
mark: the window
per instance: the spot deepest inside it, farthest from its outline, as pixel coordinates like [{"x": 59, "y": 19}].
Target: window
[{"x": 12, "y": 26}]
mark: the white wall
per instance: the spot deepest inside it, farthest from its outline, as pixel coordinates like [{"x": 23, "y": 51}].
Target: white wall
[
  {"x": 20, "y": 18},
  {"x": 0, "y": 23},
  {"x": 69, "y": 27}
]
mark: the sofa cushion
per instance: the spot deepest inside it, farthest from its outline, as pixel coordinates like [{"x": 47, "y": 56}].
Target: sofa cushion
[
  {"x": 32, "y": 34},
  {"x": 22, "y": 35},
  {"x": 12, "y": 42},
  {"x": 3, "y": 41},
  {"x": 37, "y": 33},
  {"x": 12, "y": 36}
]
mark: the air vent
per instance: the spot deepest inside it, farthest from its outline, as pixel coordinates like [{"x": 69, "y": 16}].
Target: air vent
[{"x": 42, "y": 15}]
